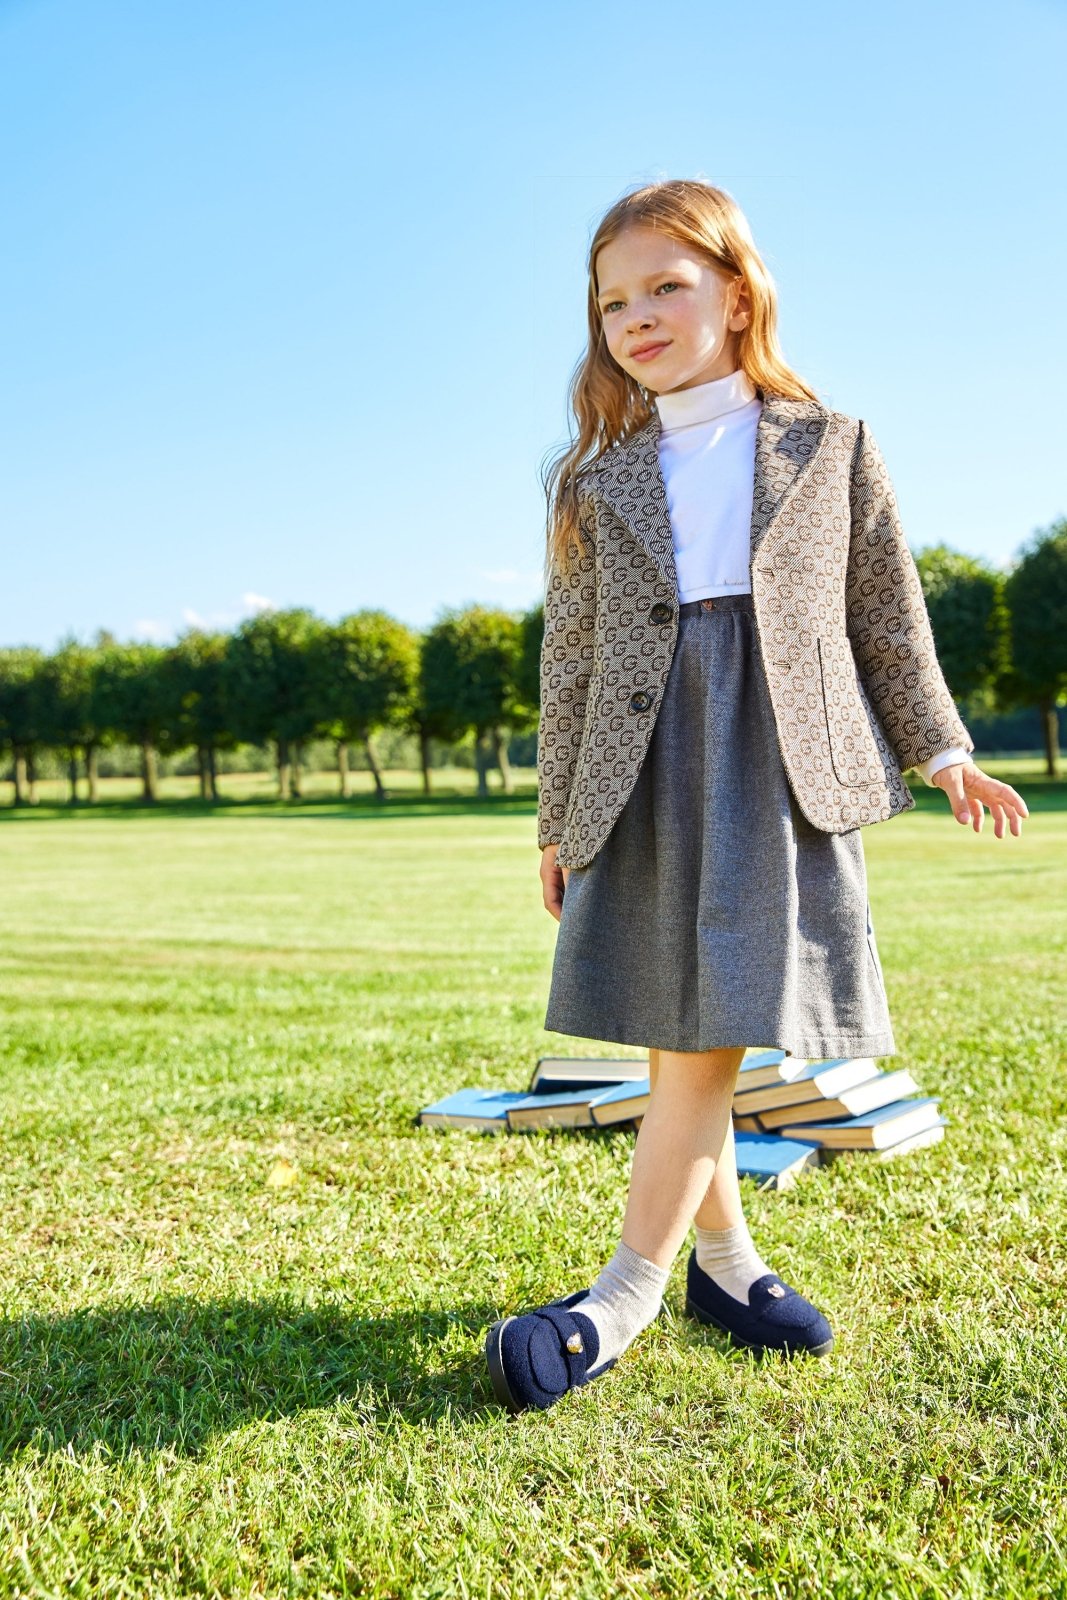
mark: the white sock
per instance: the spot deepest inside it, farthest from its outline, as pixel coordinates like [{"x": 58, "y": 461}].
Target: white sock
[
  {"x": 729, "y": 1257},
  {"x": 625, "y": 1298}
]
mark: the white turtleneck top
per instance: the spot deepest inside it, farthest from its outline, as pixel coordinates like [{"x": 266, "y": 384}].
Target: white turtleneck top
[{"x": 707, "y": 454}]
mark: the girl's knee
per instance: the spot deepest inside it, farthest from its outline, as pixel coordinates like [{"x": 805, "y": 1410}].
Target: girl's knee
[{"x": 698, "y": 1066}]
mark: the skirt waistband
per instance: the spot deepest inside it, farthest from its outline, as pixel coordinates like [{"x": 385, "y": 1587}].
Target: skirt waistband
[{"x": 717, "y": 602}]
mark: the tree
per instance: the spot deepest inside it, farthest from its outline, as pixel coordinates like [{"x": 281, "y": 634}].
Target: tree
[
  {"x": 132, "y": 698},
  {"x": 366, "y": 670},
  {"x": 1036, "y": 593},
  {"x": 469, "y": 679},
  {"x": 969, "y": 616},
  {"x": 98, "y": 735},
  {"x": 269, "y": 686},
  {"x": 196, "y": 669},
  {"x": 528, "y": 678},
  {"x": 67, "y": 679},
  {"x": 21, "y": 715}
]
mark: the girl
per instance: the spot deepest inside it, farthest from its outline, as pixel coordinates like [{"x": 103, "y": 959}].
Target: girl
[{"x": 737, "y": 666}]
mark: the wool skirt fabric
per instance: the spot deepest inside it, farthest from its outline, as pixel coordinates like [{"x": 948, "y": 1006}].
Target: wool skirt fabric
[{"x": 715, "y": 914}]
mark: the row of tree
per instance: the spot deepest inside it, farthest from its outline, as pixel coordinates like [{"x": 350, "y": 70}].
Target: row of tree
[
  {"x": 1002, "y": 635},
  {"x": 281, "y": 679},
  {"x": 286, "y": 677}
]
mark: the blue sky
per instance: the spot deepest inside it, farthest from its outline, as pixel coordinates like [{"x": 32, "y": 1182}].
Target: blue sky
[{"x": 291, "y": 290}]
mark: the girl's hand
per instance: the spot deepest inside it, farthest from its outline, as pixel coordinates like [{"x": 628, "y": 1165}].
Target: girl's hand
[
  {"x": 553, "y": 880},
  {"x": 968, "y": 788}
]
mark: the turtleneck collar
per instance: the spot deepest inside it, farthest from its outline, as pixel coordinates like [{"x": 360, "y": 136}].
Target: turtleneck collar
[{"x": 704, "y": 401}]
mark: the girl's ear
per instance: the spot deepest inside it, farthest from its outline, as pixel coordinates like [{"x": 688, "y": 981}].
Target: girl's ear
[{"x": 741, "y": 306}]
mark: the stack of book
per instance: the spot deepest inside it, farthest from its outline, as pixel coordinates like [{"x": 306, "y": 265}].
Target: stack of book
[
  {"x": 788, "y": 1113},
  {"x": 564, "y": 1092},
  {"x": 846, "y": 1103}
]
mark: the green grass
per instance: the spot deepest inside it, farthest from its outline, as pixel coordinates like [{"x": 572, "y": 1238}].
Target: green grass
[{"x": 212, "y": 1386}]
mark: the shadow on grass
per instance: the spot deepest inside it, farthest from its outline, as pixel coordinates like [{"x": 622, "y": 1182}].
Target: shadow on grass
[
  {"x": 395, "y": 807},
  {"x": 1042, "y": 794},
  {"x": 176, "y": 1374}
]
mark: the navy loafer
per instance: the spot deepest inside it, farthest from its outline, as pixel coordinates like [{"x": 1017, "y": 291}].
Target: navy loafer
[
  {"x": 775, "y": 1318},
  {"x": 534, "y": 1360}
]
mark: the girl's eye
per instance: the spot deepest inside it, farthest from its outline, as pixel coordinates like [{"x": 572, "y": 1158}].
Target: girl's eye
[{"x": 670, "y": 284}]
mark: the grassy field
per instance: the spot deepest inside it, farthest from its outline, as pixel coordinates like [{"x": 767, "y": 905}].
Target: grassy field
[{"x": 244, "y": 1297}]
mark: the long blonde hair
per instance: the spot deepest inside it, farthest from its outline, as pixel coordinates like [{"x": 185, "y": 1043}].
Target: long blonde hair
[{"x": 608, "y": 404}]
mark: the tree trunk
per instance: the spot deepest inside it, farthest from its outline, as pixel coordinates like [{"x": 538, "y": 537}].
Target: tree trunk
[
  {"x": 500, "y": 750},
  {"x": 298, "y": 770},
  {"x": 1051, "y": 726},
  {"x": 342, "y": 766},
  {"x": 212, "y": 772},
  {"x": 149, "y": 772},
  {"x": 424, "y": 759},
  {"x": 285, "y": 772},
  {"x": 18, "y": 768},
  {"x": 375, "y": 770},
  {"x": 31, "y": 775},
  {"x": 201, "y": 767},
  {"x": 91, "y": 774},
  {"x": 481, "y": 762},
  {"x": 72, "y": 774}
]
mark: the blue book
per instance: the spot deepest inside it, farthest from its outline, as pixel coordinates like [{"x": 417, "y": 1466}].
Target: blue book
[
  {"x": 761, "y": 1068},
  {"x": 564, "y": 1108},
  {"x": 881, "y": 1089},
  {"x": 769, "y": 1156},
  {"x": 873, "y": 1130},
  {"x": 472, "y": 1108},
  {"x": 585, "y": 1072},
  {"x": 816, "y": 1080},
  {"x": 622, "y": 1103},
  {"x": 889, "y": 1152},
  {"x": 494, "y": 1109}
]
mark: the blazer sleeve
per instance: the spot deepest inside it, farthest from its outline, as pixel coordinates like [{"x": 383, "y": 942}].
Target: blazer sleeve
[
  {"x": 888, "y": 623},
  {"x": 566, "y": 666}
]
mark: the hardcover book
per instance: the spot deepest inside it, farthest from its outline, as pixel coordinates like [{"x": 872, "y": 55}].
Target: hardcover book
[
  {"x": 871, "y": 1130},
  {"x": 585, "y": 1072},
  {"x": 772, "y": 1158},
  {"x": 817, "y": 1080},
  {"x": 472, "y": 1108},
  {"x": 880, "y": 1090}
]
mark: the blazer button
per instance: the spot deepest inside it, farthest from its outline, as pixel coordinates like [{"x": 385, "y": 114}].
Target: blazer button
[
  {"x": 640, "y": 701},
  {"x": 661, "y": 612}
]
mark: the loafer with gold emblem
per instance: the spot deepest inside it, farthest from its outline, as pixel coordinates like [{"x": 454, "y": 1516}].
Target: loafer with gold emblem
[
  {"x": 775, "y": 1318},
  {"x": 535, "y": 1359}
]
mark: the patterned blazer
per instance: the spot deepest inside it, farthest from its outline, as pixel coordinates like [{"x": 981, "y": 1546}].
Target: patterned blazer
[{"x": 844, "y": 634}]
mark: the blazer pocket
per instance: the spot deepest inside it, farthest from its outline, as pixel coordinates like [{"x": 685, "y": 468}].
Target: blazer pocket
[
  {"x": 854, "y": 752},
  {"x": 579, "y": 781}
]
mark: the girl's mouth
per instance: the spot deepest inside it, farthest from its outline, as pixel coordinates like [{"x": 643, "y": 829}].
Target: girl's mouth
[{"x": 650, "y": 352}]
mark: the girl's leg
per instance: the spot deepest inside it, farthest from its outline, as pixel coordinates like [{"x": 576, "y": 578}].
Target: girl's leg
[
  {"x": 724, "y": 1247},
  {"x": 678, "y": 1146},
  {"x": 721, "y": 1205}
]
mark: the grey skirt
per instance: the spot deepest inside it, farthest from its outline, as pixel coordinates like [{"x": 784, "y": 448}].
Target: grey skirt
[{"x": 715, "y": 914}]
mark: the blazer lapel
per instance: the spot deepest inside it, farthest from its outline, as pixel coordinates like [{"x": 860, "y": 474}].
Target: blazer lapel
[{"x": 789, "y": 435}]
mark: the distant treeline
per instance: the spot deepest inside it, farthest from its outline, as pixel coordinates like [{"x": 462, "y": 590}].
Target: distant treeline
[
  {"x": 281, "y": 680},
  {"x": 286, "y": 678}
]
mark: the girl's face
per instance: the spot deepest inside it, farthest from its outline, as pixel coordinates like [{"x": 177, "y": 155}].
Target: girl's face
[{"x": 656, "y": 292}]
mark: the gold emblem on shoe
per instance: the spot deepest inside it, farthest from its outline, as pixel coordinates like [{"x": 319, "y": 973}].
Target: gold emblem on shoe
[
  {"x": 775, "y": 1289},
  {"x": 574, "y": 1344}
]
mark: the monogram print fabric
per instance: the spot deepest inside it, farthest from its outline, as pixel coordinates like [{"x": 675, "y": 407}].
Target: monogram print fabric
[{"x": 844, "y": 634}]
